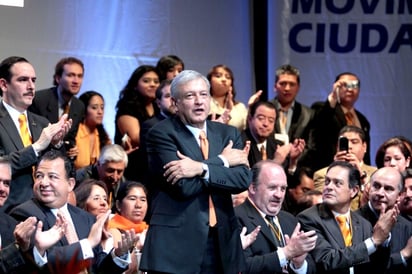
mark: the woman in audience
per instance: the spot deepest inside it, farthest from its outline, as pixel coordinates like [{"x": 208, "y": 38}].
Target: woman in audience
[
  {"x": 223, "y": 106},
  {"x": 131, "y": 208},
  {"x": 136, "y": 104},
  {"x": 394, "y": 152},
  {"x": 91, "y": 196},
  {"x": 169, "y": 66},
  {"x": 91, "y": 136}
]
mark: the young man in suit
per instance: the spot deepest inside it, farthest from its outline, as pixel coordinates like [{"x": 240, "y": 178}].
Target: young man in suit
[
  {"x": 346, "y": 242},
  {"x": 331, "y": 116},
  {"x": 24, "y": 136},
  {"x": 357, "y": 148},
  {"x": 386, "y": 186},
  {"x": 269, "y": 254},
  {"x": 193, "y": 228},
  {"x": 294, "y": 119},
  {"x": 53, "y": 102},
  {"x": 53, "y": 182}
]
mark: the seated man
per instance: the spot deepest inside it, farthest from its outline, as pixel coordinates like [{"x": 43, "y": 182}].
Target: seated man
[
  {"x": 346, "y": 242},
  {"x": 357, "y": 147},
  {"x": 273, "y": 251},
  {"x": 83, "y": 234}
]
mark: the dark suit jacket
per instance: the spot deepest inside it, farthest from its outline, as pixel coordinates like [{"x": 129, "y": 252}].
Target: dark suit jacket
[
  {"x": 22, "y": 158},
  {"x": 301, "y": 121},
  {"x": 62, "y": 253},
  {"x": 328, "y": 122},
  {"x": 400, "y": 234},
  {"x": 330, "y": 254},
  {"x": 46, "y": 104},
  {"x": 261, "y": 256},
  {"x": 254, "y": 153},
  {"x": 179, "y": 225}
]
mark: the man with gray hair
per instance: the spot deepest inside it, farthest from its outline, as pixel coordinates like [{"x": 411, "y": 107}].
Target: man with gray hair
[
  {"x": 109, "y": 168},
  {"x": 194, "y": 165}
]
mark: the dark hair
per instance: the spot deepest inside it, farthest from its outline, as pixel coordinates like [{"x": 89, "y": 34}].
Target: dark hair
[
  {"x": 354, "y": 129},
  {"x": 85, "y": 98},
  {"x": 84, "y": 190},
  {"x": 125, "y": 188},
  {"x": 7, "y": 63},
  {"x": 287, "y": 69},
  {"x": 213, "y": 71},
  {"x": 167, "y": 62},
  {"x": 394, "y": 141},
  {"x": 52, "y": 155},
  {"x": 347, "y": 73},
  {"x": 406, "y": 174},
  {"x": 354, "y": 174},
  {"x": 129, "y": 96},
  {"x": 159, "y": 90},
  {"x": 306, "y": 200},
  {"x": 297, "y": 176},
  {"x": 58, "y": 70},
  {"x": 253, "y": 107}
]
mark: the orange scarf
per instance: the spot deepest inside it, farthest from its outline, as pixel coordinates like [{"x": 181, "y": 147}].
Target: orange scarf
[{"x": 121, "y": 223}]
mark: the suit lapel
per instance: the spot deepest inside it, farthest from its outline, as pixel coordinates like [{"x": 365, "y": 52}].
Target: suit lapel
[
  {"x": 186, "y": 137},
  {"x": 11, "y": 130},
  {"x": 35, "y": 127},
  {"x": 331, "y": 225}
]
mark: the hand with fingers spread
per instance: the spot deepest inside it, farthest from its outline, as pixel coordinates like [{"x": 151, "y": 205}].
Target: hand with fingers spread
[
  {"x": 127, "y": 243},
  {"x": 299, "y": 243},
  {"x": 250, "y": 238},
  {"x": 96, "y": 232},
  {"x": 45, "y": 239},
  {"x": 23, "y": 232},
  {"x": 235, "y": 156}
]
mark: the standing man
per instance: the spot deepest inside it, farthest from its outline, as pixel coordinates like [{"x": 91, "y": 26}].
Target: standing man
[
  {"x": 386, "y": 186},
  {"x": 195, "y": 164},
  {"x": 52, "y": 103},
  {"x": 294, "y": 119},
  {"x": 24, "y": 136},
  {"x": 83, "y": 234},
  {"x": 346, "y": 242},
  {"x": 331, "y": 116},
  {"x": 273, "y": 251}
]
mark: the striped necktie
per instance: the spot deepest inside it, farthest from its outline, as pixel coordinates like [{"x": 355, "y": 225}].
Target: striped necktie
[{"x": 345, "y": 229}]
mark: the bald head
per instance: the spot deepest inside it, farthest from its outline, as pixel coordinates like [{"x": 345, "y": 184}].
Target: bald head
[{"x": 386, "y": 187}]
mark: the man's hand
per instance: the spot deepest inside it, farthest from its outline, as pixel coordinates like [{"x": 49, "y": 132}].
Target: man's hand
[
  {"x": 45, "y": 239},
  {"x": 96, "y": 232},
  {"x": 23, "y": 232},
  {"x": 254, "y": 98},
  {"x": 183, "y": 168},
  {"x": 348, "y": 157},
  {"x": 250, "y": 238},
  {"x": 281, "y": 153},
  {"x": 383, "y": 226},
  {"x": 406, "y": 252},
  {"x": 299, "y": 243},
  {"x": 296, "y": 149},
  {"x": 53, "y": 133},
  {"x": 236, "y": 157}
]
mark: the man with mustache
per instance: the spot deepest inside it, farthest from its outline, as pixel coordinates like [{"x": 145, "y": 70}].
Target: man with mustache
[
  {"x": 405, "y": 205},
  {"x": 24, "y": 136},
  {"x": 60, "y": 99}
]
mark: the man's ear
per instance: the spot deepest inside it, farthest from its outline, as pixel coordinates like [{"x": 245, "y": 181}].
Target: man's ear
[
  {"x": 3, "y": 84},
  {"x": 72, "y": 183}
]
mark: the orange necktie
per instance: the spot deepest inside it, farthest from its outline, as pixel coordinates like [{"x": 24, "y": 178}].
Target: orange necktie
[
  {"x": 349, "y": 118},
  {"x": 344, "y": 228},
  {"x": 24, "y": 131},
  {"x": 282, "y": 121},
  {"x": 204, "y": 147}
]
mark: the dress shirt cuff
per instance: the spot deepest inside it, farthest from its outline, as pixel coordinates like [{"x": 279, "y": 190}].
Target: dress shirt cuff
[
  {"x": 370, "y": 245},
  {"x": 282, "y": 257},
  {"x": 225, "y": 162},
  {"x": 122, "y": 261},
  {"x": 301, "y": 270},
  {"x": 87, "y": 249},
  {"x": 39, "y": 259},
  {"x": 404, "y": 262}
]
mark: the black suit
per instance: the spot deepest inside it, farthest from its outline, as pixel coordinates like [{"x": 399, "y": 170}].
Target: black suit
[
  {"x": 254, "y": 153},
  {"x": 179, "y": 226},
  {"x": 400, "y": 234},
  {"x": 61, "y": 253},
  {"x": 328, "y": 122},
  {"x": 46, "y": 104},
  {"x": 330, "y": 254},
  {"x": 22, "y": 158},
  {"x": 261, "y": 256}
]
